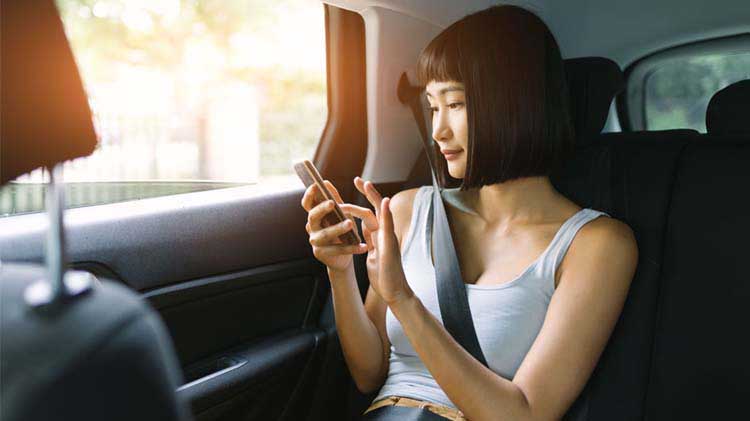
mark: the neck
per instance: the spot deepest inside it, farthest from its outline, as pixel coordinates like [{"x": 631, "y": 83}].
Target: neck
[{"x": 523, "y": 200}]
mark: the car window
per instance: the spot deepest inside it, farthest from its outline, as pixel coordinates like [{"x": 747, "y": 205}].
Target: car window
[
  {"x": 678, "y": 91},
  {"x": 189, "y": 95}
]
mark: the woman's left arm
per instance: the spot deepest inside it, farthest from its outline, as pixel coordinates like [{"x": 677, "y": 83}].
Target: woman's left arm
[{"x": 579, "y": 321}]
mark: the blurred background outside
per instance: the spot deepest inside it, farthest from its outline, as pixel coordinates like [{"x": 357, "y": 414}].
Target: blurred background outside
[
  {"x": 190, "y": 95},
  {"x": 678, "y": 92}
]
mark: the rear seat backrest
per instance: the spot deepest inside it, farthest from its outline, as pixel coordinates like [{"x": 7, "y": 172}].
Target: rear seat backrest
[
  {"x": 630, "y": 176},
  {"x": 700, "y": 364}
]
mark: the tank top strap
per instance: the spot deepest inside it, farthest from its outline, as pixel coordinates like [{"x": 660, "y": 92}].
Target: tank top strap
[
  {"x": 561, "y": 242},
  {"x": 418, "y": 217}
]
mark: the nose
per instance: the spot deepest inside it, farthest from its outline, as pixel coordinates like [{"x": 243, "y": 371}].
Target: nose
[{"x": 440, "y": 128}]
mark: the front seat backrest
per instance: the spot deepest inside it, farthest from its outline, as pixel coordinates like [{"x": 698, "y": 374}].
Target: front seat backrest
[{"x": 103, "y": 355}]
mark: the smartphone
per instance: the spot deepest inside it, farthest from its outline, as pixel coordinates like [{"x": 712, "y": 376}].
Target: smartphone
[{"x": 309, "y": 176}]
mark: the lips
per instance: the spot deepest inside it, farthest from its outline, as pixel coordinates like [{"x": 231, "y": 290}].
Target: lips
[
  {"x": 448, "y": 152},
  {"x": 451, "y": 155}
]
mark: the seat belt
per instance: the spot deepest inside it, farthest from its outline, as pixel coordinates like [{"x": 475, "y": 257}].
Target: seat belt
[{"x": 451, "y": 290}]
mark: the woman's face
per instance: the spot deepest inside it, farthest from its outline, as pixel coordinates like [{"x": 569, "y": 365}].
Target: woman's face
[{"x": 449, "y": 124}]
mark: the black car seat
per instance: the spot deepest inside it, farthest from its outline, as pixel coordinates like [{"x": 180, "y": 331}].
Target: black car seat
[
  {"x": 629, "y": 175},
  {"x": 700, "y": 367},
  {"x": 85, "y": 350},
  {"x": 102, "y": 355}
]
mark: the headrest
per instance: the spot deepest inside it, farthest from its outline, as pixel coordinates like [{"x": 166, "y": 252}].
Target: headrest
[
  {"x": 729, "y": 110},
  {"x": 45, "y": 113},
  {"x": 593, "y": 82},
  {"x": 60, "y": 356}
]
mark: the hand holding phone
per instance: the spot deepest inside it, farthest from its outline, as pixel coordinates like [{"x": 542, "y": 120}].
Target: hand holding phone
[{"x": 309, "y": 176}]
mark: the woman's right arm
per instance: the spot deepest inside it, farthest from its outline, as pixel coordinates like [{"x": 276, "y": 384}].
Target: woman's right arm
[{"x": 361, "y": 328}]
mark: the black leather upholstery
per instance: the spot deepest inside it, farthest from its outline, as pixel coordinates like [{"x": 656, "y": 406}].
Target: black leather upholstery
[
  {"x": 105, "y": 355},
  {"x": 729, "y": 110}
]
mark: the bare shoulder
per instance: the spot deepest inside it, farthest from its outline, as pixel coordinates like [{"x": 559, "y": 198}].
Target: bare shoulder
[
  {"x": 402, "y": 204},
  {"x": 602, "y": 243},
  {"x": 610, "y": 233}
]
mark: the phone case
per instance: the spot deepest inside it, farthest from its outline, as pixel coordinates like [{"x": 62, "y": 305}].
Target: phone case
[{"x": 310, "y": 175}]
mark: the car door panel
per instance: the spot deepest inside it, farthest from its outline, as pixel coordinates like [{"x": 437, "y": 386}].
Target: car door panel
[
  {"x": 231, "y": 274},
  {"x": 261, "y": 378}
]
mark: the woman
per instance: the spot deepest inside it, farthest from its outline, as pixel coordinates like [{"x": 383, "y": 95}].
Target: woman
[{"x": 546, "y": 279}]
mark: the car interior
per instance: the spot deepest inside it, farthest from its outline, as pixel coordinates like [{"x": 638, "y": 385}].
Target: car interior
[{"x": 210, "y": 305}]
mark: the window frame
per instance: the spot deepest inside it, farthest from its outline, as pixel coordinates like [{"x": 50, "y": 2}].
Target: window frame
[
  {"x": 345, "y": 131},
  {"x": 631, "y": 103}
]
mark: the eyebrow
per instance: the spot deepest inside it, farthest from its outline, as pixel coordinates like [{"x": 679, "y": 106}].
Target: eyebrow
[{"x": 448, "y": 89}]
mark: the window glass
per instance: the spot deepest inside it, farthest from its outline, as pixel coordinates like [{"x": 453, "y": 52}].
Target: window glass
[
  {"x": 189, "y": 95},
  {"x": 678, "y": 91}
]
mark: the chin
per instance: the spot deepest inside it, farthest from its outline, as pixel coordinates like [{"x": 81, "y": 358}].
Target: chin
[{"x": 456, "y": 172}]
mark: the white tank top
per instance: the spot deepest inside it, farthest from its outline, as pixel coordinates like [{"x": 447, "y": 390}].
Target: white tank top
[{"x": 507, "y": 317}]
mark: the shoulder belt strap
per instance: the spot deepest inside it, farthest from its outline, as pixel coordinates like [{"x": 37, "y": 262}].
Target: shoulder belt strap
[{"x": 451, "y": 290}]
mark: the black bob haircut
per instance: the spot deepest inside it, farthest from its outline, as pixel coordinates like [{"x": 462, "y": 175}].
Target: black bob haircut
[{"x": 517, "y": 104}]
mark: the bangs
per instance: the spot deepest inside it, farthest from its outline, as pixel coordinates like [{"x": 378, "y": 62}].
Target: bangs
[
  {"x": 439, "y": 60},
  {"x": 516, "y": 104}
]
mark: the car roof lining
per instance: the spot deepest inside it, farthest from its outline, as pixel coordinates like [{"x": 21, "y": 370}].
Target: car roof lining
[{"x": 619, "y": 30}]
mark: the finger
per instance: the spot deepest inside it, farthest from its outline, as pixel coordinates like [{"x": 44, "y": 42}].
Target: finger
[
  {"x": 367, "y": 234},
  {"x": 359, "y": 184},
  {"x": 309, "y": 198},
  {"x": 366, "y": 215},
  {"x": 336, "y": 250},
  {"x": 371, "y": 193},
  {"x": 334, "y": 191},
  {"x": 315, "y": 216},
  {"x": 386, "y": 222},
  {"x": 330, "y": 235}
]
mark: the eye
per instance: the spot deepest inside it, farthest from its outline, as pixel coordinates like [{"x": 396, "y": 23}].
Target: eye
[{"x": 455, "y": 105}]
